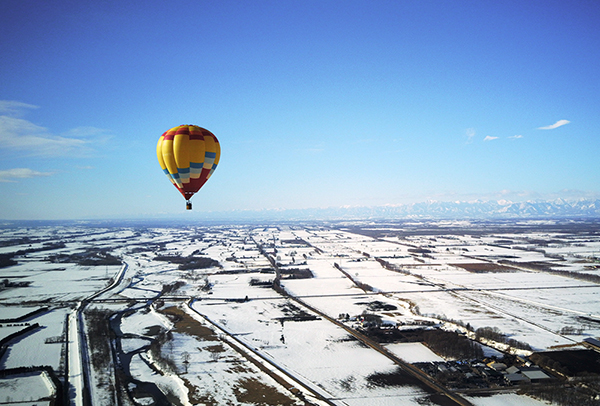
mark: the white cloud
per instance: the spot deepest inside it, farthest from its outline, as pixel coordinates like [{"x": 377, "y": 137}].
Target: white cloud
[
  {"x": 14, "y": 108},
  {"x": 83, "y": 132},
  {"x": 514, "y": 137},
  {"x": 470, "y": 134},
  {"x": 10, "y": 175},
  {"x": 490, "y": 138},
  {"x": 559, "y": 123},
  {"x": 22, "y": 136}
]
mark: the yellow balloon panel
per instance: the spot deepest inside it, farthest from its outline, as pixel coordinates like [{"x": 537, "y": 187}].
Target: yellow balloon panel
[{"x": 188, "y": 155}]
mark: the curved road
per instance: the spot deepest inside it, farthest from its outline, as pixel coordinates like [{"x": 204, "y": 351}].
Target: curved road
[{"x": 83, "y": 395}]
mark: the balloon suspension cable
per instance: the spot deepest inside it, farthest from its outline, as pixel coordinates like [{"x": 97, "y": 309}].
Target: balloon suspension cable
[{"x": 188, "y": 205}]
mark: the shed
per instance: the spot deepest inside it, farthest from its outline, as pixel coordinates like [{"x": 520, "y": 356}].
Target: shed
[
  {"x": 515, "y": 378},
  {"x": 592, "y": 343},
  {"x": 497, "y": 366},
  {"x": 512, "y": 370},
  {"x": 535, "y": 374}
]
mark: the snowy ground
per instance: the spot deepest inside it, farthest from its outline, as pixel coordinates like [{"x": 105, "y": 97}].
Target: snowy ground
[
  {"x": 26, "y": 388},
  {"x": 505, "y": 399},
  {"x": 413, "y": 352},
  {"x": 316, "y": 350},
  {"x": 251, "y": 340}
]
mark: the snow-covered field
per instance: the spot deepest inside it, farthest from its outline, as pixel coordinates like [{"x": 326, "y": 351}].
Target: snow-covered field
[
  {"x": 26, "y": 389},
  {"x": 317, "y": 351},
  {"x": 413, "y": 352},
  {"x": 221, "y": 334}
]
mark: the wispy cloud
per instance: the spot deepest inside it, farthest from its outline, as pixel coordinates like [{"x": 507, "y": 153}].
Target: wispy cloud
[
  {"x": 15, "y": 108},
  {"x": 559, "y": 123},
  {"x": 490, "y": 138},
  {"x": 515, "y": 137},
  {"x": 10, "y": 175},
  {"x": 470, "y": 133},
  {"x": 85, "y": 132},
  {"x": 22, "y": 136}
]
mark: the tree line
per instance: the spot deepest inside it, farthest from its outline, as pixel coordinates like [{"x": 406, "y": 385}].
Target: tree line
[
  {"x": 453, "y": 345},
  {"x": 191, "y": 262}
]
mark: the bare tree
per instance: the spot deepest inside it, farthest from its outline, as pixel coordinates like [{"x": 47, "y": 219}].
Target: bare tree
[{"x": 185, "y": 356}]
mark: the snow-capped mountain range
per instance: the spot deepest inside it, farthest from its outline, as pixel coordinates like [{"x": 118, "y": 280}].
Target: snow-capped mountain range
[{"x": 559, "y": 208}]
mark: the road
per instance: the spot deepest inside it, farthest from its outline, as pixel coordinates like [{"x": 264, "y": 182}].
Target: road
[
  {"x": 408, "y": 368},
  {"x": 78, "y": 352},
  {"x": 252, "y": 353},
  {"x": 276, "y": 371}
]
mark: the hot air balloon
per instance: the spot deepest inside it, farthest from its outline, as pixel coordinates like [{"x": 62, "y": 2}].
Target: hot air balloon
[{"x": 188, "y": 155}]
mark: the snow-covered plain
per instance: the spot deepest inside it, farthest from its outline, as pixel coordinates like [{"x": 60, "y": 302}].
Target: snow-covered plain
[
  {"x": 26, "y": 389},
  {"x": 263, "y": 339},
  {"x": 316, "y": 350},
  {"x": 413, "y": 352}
]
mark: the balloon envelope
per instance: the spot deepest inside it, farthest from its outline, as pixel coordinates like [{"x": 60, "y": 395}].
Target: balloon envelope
[{"x": 188, "y": 155}]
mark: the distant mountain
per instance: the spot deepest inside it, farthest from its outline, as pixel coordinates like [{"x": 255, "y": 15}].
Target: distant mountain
[{"x": 432, "y": 209}]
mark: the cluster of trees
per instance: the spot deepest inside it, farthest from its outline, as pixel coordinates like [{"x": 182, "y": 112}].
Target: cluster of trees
[
  {"x": 364, "y": 286},
  {"x": 397, "y": 377},
  {"x": 377, "y": 305},
  {"x": 297, "y": 241},
  {"x": 258, "y": 282},
  {"x": 186, "y": 263},
  {"x": 582, "y": 276},
  {"x": 570, "y": 330},
  {"x": 7, "y": 283},
  {"x": 489, "y": 333},
  {"x": 5, "y": 340},
  {"x": 100, "y": 258},
  {"x": 419, "y": 250},
  {"x": 391, "y": 267},
  {"x": 581, "y": 391},
  {"x": 544, "y": 267},
  {"x": 295, "y": 273},
  {"x": 546, "y": 362},
  {"x": 88, "y": 258},
  {"x": 171, "y": 287},
  {"x": 17, "y": 241},
  {"x": 453, "y": 345},
  {"x": 26, "y": 316},
  {"x": 7, "y": 260},
  {"x": 494, "y": 334},
  {"x": 99, "y": 337},
  {"x": 161, "y": 349}
]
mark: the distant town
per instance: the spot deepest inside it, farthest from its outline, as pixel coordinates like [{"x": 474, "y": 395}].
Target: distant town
[{"x": 424, "y": 312}]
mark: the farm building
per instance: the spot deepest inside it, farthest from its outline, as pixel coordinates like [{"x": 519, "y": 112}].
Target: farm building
[
  {"x": 517, "y": 375},
  {"x": 592, "y": 343}
]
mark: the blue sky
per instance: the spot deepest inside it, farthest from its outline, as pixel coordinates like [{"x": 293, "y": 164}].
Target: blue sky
[{"x": 315, "y": 103}]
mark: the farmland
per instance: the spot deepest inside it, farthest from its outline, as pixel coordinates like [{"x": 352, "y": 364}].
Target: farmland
[{"x": 337, "y": 313}]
